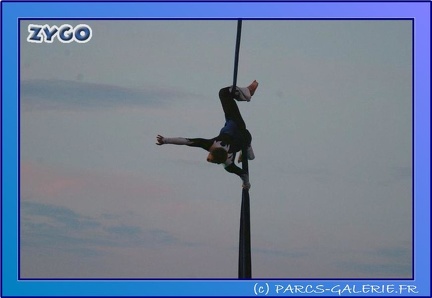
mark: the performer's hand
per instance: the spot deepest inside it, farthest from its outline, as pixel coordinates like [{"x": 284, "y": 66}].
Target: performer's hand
[
  {"x": 160, "y": 140},
  {"x": 246, "y": 185},
  {"x": 245, "y": 179}
]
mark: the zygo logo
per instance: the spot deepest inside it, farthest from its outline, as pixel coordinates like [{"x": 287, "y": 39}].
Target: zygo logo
[{"x": 65, "y": 33}]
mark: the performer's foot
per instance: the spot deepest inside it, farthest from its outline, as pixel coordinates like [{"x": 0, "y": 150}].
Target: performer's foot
[
  {"x": 242, "y": 94},
  {"x": 245, "y": 93},
  {"x": 252, "y": 87},
  {"x": 250, "y": 154}
]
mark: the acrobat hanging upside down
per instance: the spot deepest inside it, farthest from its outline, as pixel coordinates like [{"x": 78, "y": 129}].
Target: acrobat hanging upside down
[{"x": 232, "y": 137}]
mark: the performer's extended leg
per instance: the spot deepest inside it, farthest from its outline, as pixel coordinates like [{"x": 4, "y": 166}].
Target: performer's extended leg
[
  {"x": 230, "y": 108},
  {"x": 232, "y": 112},
  {"x": 229, "y": 105}
]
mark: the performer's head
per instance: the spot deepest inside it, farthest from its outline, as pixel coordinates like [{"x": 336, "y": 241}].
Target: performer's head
[{"x": 217, "y": 155}]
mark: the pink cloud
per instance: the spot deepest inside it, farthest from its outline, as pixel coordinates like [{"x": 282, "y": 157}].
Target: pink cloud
[
  {"x": 42, "y": 181},
  {"x": 45, "y": 181}
]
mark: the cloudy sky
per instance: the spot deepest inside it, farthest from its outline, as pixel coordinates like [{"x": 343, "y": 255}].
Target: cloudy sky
[{"x": 331, "y": 125}]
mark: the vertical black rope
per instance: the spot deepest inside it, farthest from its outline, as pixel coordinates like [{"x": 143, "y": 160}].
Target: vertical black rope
[
  {"x": 245, "y": 263},
  {"x": 237, "y": 51},
  {"x": 245, "y": 259}
]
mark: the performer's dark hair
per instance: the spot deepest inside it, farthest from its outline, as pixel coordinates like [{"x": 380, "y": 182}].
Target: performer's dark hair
[{"x": 219, "y": 155}]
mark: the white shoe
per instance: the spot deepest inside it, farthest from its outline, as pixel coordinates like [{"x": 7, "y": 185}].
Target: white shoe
[
  {"x": 250, "y": 155},
  {"x": 240, "y": 158},
  {"x": 242, "y": 94}
]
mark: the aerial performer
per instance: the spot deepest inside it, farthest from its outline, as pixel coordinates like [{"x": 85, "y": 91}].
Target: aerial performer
[{"x": 233, "y": 137}]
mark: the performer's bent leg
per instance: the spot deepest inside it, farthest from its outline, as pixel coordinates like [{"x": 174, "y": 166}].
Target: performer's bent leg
[
  {"x": 247, "y": 140},
  {"x": 247, "y": 137}
]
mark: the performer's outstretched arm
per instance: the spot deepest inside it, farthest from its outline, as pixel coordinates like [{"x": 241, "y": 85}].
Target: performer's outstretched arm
[{"x": 196, "y": 142}]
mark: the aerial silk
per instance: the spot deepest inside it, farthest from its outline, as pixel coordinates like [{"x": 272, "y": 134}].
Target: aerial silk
[{"x": 245, "y": 263}]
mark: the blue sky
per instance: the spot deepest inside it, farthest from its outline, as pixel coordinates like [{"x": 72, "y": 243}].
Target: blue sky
[{"x": 331, "y": 124}]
